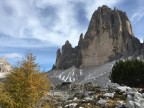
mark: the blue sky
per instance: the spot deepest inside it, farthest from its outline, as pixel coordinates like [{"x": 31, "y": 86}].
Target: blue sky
[{"x": 43, "y": 26}]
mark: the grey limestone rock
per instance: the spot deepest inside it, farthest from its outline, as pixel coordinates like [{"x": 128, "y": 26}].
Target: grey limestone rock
[
  {"x": 68, "y": 57},
  {"x": 109, "y": 37}
]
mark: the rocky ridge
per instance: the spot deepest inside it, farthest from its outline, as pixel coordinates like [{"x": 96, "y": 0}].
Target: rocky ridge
[
  {"x": 5, "y": 67},
  {"x": 109, "y": 37}
]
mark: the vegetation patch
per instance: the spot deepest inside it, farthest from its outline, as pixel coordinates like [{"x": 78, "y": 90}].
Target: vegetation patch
[
  {"x": 25, "y": 86},
  {"x": 128, "y": 72}
]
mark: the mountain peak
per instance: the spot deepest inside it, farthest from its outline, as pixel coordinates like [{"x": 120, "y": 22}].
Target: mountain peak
[
  {"x": 67, "y": 42},
  {"x": 109, "y": 37}
]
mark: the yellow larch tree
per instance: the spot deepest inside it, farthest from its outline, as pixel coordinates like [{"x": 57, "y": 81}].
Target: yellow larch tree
[{"x": 25, "y": 85}]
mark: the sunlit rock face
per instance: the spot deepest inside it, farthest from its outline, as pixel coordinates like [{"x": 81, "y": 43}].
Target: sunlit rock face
[
  {"x": 5, "y": 67},
  {"x": 109, "y": 37}
]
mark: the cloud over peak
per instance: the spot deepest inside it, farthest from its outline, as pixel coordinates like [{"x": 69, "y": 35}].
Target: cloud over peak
[
  {"x": 51, "y": 21},
  {"x": 13, "y": 55},
  {"x": 41, "y": 26}
]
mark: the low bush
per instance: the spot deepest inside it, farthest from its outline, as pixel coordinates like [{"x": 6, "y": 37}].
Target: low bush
[{"x": 128, "y": 72}]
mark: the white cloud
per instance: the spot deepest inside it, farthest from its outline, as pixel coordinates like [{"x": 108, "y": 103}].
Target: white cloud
[
  {"x": 141, "y": 39},
  {"x": 25, "y": 20},
  {"x": 13, "y": 55},
  {"x": 94, "y": 4},
  {"x": 137, "y": 16}
]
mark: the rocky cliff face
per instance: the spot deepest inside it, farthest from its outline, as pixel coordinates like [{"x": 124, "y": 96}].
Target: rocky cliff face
[
  {"x": 109, "y": 37},
  {"x": 69, "y": 56},
  {"x": 5, "y": 68},
  {"x": 142, "y": 50}
]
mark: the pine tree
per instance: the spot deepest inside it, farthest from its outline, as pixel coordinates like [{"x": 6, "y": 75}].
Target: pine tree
[
  {"x": 25, "y": 85},
  {"x": 128, "y": 72}
]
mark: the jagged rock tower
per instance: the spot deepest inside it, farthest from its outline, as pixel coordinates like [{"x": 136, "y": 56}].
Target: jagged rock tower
[
  {"x": 5, "y": 67},
  {"x": 142, "y": 50},
  {"x": 109, "y": 37}
]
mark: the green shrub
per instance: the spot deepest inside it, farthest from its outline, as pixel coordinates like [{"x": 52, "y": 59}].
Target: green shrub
[{"x": 128, "y": 72}]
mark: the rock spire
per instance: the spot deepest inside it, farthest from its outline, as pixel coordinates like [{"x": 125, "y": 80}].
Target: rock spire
[{"x": 109, "y": 37}]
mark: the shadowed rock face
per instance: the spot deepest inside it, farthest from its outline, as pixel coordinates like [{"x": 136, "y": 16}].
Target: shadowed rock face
[
  {"x": 109, "y": 37},
  {"x": 69, "y": 57},
  {"x": 142, "y": 50}
]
